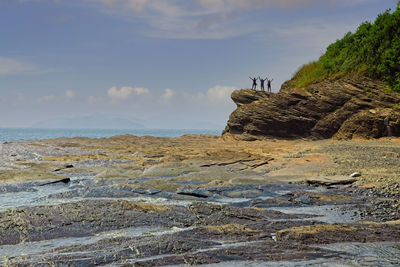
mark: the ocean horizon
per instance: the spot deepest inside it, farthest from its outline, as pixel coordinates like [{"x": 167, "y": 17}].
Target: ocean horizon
[{"x": 19, "y": 134}]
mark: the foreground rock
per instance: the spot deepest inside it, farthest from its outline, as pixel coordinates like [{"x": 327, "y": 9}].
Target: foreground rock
[
  {"x": 283, "y": 223},
  {"x": 344, "y": 108},
  {"x": 146, "y": 201}
]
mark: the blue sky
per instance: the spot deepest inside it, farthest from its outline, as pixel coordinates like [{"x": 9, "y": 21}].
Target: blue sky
[{"x": 171, "y": 63}]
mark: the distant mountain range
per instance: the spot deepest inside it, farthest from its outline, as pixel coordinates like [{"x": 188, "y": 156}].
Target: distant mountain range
[{"x": 92, "y": 122}]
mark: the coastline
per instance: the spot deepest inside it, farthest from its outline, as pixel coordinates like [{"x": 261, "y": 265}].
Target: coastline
[
  {"x": 8, "y": 134},
  {"x": 128, "y": 194}
]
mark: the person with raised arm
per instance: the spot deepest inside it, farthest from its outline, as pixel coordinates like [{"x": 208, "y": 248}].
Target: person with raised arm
[
  {"x": 269, "y": 84},
  {"x": 254, "y": 86},
  {"x": 262, "y": 81}
]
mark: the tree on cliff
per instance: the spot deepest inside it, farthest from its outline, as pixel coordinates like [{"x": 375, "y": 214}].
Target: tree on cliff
[{"x": 373, "y": 50}]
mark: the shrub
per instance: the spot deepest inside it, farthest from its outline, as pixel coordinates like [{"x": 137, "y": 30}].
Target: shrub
[
  {"x": 308, "y": 73},
  {"x": 373, "y": 50}
]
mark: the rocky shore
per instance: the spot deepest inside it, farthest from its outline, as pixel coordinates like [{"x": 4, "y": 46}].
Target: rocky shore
[{"x": 146, "y": 201}]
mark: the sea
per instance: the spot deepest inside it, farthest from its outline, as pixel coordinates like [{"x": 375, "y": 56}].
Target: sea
[{"x": 16, "y": 134}]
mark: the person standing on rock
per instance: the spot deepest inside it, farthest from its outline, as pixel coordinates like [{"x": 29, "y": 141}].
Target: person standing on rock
[
  {"x": 262, "y": 83},
  {"x": 269, "y": 84},
  {"x": 254, "y": 86}
]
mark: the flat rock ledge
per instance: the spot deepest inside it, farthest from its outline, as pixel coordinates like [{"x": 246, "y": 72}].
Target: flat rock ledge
[
  {"x": 343, "y": 108},
  {"x": 330, "y": 180}
]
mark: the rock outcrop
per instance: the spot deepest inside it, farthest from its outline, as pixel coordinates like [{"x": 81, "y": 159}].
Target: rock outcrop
[{"x": 343, "y": 108}]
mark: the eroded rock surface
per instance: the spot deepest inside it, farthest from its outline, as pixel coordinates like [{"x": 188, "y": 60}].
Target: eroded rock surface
[
  {"x": 282, "y": 202},
  {"x": 282, "y": 222},
  {"x": 342, "y": 108}
]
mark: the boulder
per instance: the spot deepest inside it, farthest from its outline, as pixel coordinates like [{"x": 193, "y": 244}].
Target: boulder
[{"x": 243, "y": 97}]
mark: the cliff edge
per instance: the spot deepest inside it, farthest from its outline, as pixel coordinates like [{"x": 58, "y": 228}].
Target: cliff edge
[{"x": 344, "y": 108}]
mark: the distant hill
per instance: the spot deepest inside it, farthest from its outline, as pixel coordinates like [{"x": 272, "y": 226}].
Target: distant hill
[
  {"x": 372, "y": 51},
  {"x": 92, "y": 122}
]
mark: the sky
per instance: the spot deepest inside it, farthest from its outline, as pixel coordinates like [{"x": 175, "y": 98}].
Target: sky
[{"x": 167, "y": 63}]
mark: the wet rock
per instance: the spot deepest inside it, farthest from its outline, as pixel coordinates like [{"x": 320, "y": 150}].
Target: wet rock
[
  {"x": 121, "y": 249},
  {"x": 86, "y": 218},
  {"x": 182, "y": 248},
  {"x": 103, "y": 192},
  {"x": 94, "y": 225},
  {"x": 330, "y": 180},
  {"x": 209, "y": 214},
  {"x": 324, "y": 234},
  {"x": 244, "y": 193},
  {"x": 260, "y": 252}
]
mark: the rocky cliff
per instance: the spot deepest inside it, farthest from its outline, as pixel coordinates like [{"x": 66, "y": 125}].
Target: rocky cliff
[{"x": 343, "y": 108}]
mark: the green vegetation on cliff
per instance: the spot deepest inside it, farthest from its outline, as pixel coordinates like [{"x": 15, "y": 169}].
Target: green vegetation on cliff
[{"x": 373, "y": 50}]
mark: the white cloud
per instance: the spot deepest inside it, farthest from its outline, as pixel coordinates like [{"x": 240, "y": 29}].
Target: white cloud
[
  {"x": 141, "y": 91},
  {"x": 168, "y": 94},
  {"x": 216, "y": 95},
  {"x": 167, "y": 107},
  {"x": 13, "y": 66},
  {"x": 124, "y": 92},
  {"x": 69, "y": 93},
  {"x": 220, "y": 93}
]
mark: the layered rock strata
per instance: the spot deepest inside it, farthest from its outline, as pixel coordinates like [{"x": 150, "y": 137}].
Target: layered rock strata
[{"x": 343, "y": 108}]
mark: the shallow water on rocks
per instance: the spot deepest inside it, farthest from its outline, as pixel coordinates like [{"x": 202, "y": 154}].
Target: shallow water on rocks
[
  {"x": 325, "y": 213},
  {"x": 33, "y": 193},
  {"x": 369, "y": 254},
  {"x": 357, "y": 254},
  {"x": 42, "y": 246},
  {"x": 86, "y": 187},
  {"x": 168, "y": 234}
]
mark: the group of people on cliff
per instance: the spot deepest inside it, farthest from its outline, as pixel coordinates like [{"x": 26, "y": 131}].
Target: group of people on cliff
[{"x": 262, "y": 82}]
